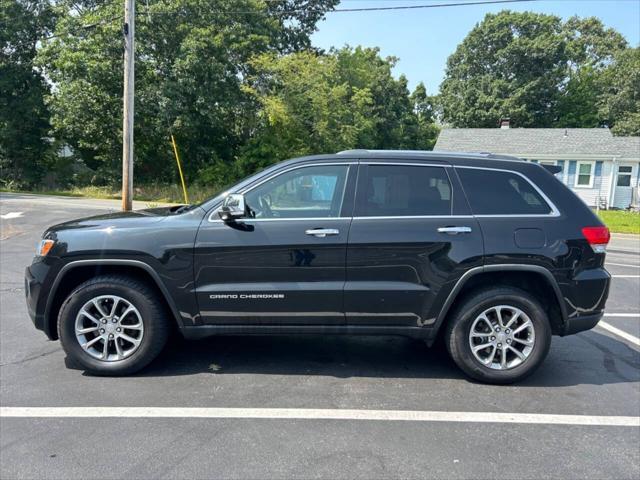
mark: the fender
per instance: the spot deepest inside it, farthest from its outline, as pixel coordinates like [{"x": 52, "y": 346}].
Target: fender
[
  {"x": 114, "y": 261},
  {"x": 500, "y": 268}
]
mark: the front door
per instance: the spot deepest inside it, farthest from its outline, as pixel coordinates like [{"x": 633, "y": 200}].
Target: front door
[
  {"x": 412, "y": 236},
  {"x": 622, "y": 195},
  {"x": 286, "y": 264}
]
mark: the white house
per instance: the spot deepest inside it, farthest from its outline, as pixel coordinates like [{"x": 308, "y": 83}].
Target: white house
[{"x": 602, "y": 169}]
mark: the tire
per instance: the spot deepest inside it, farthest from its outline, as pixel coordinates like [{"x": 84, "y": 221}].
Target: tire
[
  {"x": 468, "y": 314},
  {"x": 146, "y": 325}
]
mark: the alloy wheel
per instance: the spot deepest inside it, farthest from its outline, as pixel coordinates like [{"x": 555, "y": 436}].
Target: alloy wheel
[
  {"x": 502, "y": 337},
  {"x": 109, "y": 328}
]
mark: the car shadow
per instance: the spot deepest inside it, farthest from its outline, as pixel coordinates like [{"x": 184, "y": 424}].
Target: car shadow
[{"x": 586, "y": 358}]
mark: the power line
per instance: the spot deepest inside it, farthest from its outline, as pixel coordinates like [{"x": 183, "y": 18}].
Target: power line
[
  {"x": 436, "y": 5},
  {"x": 348, "y": 10},
  {"x": 287, "y": 12},
  {"x": 70, "y": 31},
  {"x": 372, "y": 9}
]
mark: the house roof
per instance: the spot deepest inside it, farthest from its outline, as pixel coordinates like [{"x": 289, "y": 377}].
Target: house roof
[
  {"x": 538, "y": 141},
  {"x": 628, "y": 146}
]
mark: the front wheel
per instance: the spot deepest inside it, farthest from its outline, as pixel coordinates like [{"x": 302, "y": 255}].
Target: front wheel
[
  {"x": 499, "y": 335},
  {"x": 113, "y": 325}
]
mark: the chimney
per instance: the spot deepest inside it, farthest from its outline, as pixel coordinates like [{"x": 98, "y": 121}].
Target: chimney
[{"x": 504, "y": 122}]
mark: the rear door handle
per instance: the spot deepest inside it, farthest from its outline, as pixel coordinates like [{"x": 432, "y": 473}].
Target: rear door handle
[
  {"x": 322, "y": 232},
  {"x": 454, "y": 230}
]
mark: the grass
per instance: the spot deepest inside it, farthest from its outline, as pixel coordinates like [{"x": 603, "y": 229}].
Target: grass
[
  {"x": 620, "y": 221},
  {"x": 156, "y": 193}
]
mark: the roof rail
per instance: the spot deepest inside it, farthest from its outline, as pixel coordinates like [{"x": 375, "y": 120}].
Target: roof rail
[
  {"x": 488, "y": 155},
  {"x": 404, "y": 152},
  {"x": 500, "y": 156},
  {"x": 353, "y": 151}
]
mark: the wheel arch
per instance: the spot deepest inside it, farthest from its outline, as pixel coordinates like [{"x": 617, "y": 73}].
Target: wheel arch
[
  {"x": 78, "y": 271},
  {"x": 515, "y": 275}
]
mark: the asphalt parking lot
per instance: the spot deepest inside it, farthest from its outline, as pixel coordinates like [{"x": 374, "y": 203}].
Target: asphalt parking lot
[{"x": 312, "y": 407}]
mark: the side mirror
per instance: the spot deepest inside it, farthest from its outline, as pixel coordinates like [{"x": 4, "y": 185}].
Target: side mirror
[{"x": 232, "y": 207}]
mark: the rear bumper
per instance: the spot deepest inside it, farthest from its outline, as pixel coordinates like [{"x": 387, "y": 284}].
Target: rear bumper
[
  {"x": 585, "y": 296},
  {"x": 581, "y": 323}
]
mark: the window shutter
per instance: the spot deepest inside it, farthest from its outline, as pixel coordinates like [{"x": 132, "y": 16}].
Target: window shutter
[
  {"x": 572, "y": 172},
  {"x": 598, "y": 171}
]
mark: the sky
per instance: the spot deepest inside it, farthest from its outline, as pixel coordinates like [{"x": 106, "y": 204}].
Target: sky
[{"x": 423, "y": 39}]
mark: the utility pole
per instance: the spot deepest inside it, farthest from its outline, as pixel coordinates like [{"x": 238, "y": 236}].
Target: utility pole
[{"x": 127, "y": 111}]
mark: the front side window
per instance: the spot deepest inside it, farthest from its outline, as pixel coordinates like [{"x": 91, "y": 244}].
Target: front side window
[
  {"x": 584, "y": 177},
  {"x": 494, "y": 192},
  {"x": 624, "y": 176},
  {"x": 307, "y": 192},
  {"x": 404, "y": 190}
]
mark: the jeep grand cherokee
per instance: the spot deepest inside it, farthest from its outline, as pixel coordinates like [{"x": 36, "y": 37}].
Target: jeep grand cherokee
[{"x": 492, "y": 254}]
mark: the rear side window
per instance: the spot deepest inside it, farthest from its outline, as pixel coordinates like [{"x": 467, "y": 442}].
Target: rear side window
[
  {"x": 404, "y": 190},
  {"x": 492, "y": 192}
]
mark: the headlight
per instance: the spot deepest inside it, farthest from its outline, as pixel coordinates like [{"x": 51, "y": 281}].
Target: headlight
[{"x": 44, "y": 247}]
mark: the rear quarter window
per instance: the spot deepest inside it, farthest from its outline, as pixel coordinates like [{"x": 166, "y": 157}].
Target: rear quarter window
[{"x": 495, "y": 192}]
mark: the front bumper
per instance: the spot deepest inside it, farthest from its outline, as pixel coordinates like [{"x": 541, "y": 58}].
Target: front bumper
[{"x": 36, "y": 295}]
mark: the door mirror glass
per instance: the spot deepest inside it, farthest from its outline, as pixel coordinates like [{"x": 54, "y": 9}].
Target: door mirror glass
[{"x": 233, "y": 206}]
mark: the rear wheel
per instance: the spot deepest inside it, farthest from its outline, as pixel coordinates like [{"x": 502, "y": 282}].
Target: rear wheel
[
  {"x": 113, "y": 325},
  {"x": 499, "y": 335}
]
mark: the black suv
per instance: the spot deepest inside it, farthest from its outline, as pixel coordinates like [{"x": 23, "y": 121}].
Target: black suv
[{"x": 492, "y": 254}]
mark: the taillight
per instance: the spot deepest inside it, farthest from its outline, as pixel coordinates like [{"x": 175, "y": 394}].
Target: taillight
[{"x": 598, "y": 237}]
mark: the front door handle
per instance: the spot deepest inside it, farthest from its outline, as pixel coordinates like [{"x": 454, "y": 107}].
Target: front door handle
[
  {"x": 322, "y": 232},
  {"x": 454, "y": 230}
]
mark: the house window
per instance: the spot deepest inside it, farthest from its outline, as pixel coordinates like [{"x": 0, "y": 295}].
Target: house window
[
  {"x": 584, "y": 176},
  {"x": 624, "y": 176},
  {"x": 548, "y": 162}
]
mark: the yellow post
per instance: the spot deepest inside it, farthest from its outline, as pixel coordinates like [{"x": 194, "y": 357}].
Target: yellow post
[{"x": 184, "y": 187}]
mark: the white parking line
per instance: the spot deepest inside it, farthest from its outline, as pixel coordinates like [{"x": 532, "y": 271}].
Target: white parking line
[
  {"x": 620, "y": 257},
  {"x": 316, "y": 414},
  {"x": 631, "y": 315},
  {"x": 10, "y": 215},
  {"x": 622, "y": 265},
  {"x": 620, "y": 333},
  {"x": 625, "y": 276}
]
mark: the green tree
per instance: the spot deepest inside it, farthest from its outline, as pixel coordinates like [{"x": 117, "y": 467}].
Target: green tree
[
  {"x": 24, "y": 118},
  {"x": 530, "y": 67},
  {"x": 620, "y": 102},
  {"x": 426, "y": 109},
  {"x": 192, "y": 59},
  {"x": 306, "y": 108},
  {"x": 318, "y": 103},
  {"x": 578, "y": 100},
  {"x": 590, "y": 49}
]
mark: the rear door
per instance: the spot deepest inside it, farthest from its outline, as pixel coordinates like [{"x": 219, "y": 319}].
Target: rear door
[
  {"x": 287, "y": 264},
  {"x": 411, "y": 238}
]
